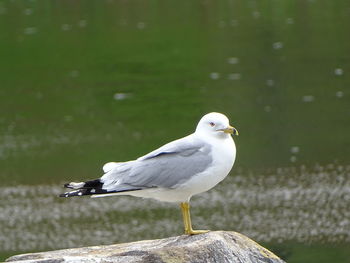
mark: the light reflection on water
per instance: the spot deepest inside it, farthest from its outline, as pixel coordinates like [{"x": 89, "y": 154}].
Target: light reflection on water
[{"x": 301, "y": 204}]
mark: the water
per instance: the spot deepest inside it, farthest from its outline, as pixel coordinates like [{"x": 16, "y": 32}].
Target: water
[{"x": 95, "y": 81}]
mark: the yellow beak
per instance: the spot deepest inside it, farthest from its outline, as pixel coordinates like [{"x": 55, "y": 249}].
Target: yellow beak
[{"x": 230, "y": 130}]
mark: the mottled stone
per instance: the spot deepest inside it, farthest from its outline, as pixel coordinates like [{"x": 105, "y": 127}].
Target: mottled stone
[{"x": 218, "y": 246}]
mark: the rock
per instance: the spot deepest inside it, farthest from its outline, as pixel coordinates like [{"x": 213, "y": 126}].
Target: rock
[{"x": 218, "y": 246}]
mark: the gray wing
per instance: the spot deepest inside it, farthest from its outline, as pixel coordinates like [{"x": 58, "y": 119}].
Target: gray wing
[{"x": 166, "y": 167}]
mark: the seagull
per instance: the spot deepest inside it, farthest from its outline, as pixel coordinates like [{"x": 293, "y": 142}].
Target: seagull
[{"x": 172, "y": 173}]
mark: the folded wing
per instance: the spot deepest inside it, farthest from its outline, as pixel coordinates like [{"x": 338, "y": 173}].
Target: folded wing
[{"x": 166, "y": 167}]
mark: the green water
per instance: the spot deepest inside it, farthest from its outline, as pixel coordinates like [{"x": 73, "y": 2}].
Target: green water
[{"x": 83, "y": 83}]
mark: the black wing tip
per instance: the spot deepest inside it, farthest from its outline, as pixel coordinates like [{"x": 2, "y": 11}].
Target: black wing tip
[
  {"x": 93, "y": 187},
  {"x": 79, "y": 192},
  {"x": 97, "y": 184},
  {"x": 83, "y": 192}
]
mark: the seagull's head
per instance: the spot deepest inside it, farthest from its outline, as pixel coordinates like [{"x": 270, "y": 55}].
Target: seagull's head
[{"x": 215, "y": 124}]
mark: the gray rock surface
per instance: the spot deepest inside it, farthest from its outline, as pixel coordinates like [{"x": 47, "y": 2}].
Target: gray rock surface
[{"x": 218, "y": 246}]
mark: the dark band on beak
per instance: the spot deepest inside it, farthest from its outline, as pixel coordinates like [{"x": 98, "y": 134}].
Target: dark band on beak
[{"x": 230, "y": 130}]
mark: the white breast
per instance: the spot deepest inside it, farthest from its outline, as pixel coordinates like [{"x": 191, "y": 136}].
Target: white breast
[{"x": 224, "y": 155}]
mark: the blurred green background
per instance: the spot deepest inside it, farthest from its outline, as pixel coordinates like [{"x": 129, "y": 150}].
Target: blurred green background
[{"x": 87, "y": 82}]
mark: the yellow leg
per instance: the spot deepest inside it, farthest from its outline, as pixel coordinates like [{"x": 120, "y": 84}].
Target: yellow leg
[{"x": 185, "y": 208}]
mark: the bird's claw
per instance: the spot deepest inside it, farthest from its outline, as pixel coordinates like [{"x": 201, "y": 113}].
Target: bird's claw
[{"x": 196, "y": 232}]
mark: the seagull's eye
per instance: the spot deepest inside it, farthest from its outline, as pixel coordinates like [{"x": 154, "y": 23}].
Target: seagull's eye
[{"x": 212, "y": 124}]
